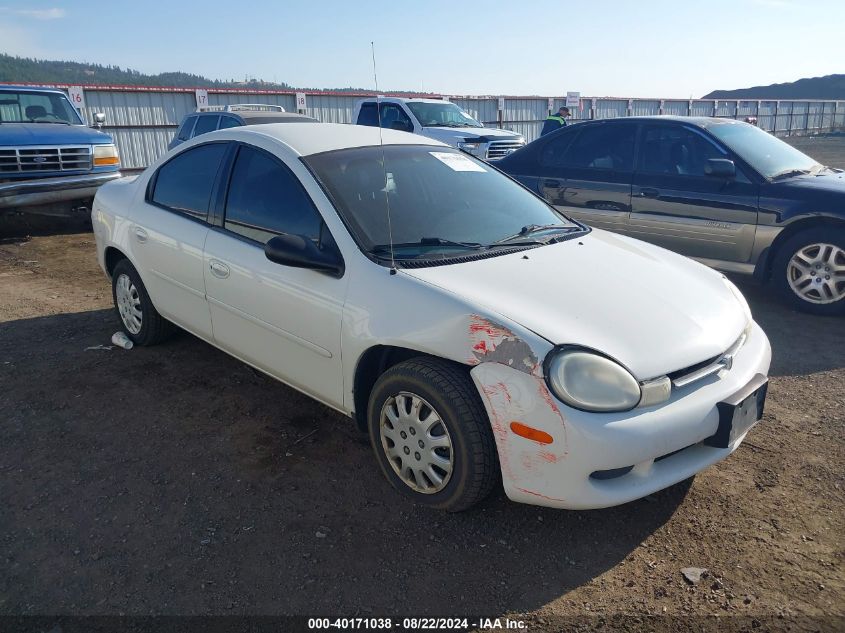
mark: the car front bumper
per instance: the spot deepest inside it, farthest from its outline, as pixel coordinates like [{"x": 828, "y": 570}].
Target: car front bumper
[
  {"x": 43, "y": 191},
  {"x": 664, "y": 443}
]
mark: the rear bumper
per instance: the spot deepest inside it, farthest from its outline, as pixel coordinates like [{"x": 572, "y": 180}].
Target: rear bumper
[
  {"x": 47, "y": 191},
  {"x": 662, "y": 445}
]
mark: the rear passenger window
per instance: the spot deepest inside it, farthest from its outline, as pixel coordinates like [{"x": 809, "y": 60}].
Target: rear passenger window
[
  {"x": 602, "y": 146},
  {"x": 555, "y": 149},
  {"x": 227, "y": 122},
  {"x": 265, "y": 199},
  {"x": 368, "y": 115},
  {"x": 184, "y": 183},
  {"x": 185, "y": 131},
  {"x": 206, "y": 124}
]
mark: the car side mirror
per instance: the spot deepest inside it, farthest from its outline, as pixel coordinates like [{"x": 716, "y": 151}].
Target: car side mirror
[
  {"x": 298, "y": 251},
  {"x": 99, "y": 119},
  {"x": 720, "y": 168},
  {"x": 402, "y": 126}
]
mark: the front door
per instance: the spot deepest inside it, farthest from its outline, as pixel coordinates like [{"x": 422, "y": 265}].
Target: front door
[
  {"x": 675, "y": 204},
  {"x": 285, "y": 321}
]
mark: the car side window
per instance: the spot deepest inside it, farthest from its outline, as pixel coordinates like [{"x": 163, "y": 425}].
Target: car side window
[
  {"x": 368, "y": 115},
  {"x": 676, "y": 150},
  {"x": 555, "y": 148},
  {"x": 205, "y": 124},
  {"x": 602, "y": 146},
  {"x": 184, "y": 183},
  {"x": 392, "y": 114},
  {"x": 227, "y": 122},
  {"x": 185, "y": 131},
  {"x": 265, "y": 199}
]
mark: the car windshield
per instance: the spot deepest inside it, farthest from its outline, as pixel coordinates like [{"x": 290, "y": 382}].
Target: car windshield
[
  {"x": 767, "y": 154},
  {"x": 442, "y": 202},
  {"x": 31, "y": 106},
  {"x": 441, "y": 115}
]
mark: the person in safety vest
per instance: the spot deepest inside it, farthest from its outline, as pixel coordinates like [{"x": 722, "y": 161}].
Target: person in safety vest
[{"x": 555, "y": 121}]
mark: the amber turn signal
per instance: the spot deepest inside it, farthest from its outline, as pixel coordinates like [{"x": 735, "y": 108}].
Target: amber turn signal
[{"x": 531, "y": 433}]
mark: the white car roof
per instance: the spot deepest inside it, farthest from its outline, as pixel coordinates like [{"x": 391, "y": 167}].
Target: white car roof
[{"x": 312, "y": 138}]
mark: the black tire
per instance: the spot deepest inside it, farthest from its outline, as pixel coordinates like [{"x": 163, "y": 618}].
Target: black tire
[
  {"x": 452, "y": 394},
  {"x": 780, "y": 278},
  {"x": 154, "y": 327}
]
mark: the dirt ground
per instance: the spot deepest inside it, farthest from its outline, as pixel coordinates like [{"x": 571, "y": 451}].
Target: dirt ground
[{"x": 174, "y": 480}]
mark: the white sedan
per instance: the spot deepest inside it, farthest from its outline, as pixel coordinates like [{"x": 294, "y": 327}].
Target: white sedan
[{"x": 476, "y": 333}]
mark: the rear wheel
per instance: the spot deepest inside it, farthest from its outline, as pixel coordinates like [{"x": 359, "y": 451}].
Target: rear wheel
[
  {"x": 431, "y": 435},
  {"x": 140, "y": 320},
  {"x": 809, "y": 270}
]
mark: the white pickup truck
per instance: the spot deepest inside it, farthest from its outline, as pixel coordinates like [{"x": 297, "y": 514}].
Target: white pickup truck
[{"x": 441, "y": 120}]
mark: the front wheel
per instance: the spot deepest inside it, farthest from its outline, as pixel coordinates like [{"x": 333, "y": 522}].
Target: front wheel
[
  {"x": 431, "y": 435},
  {"x": 809, "y": 270}
]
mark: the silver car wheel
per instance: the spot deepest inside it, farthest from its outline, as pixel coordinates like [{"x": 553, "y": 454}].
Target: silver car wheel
[
  {"x": 416, "y": 442},
  {"x": 128, "y": 304},
  {"x": 816, "y": 273}
]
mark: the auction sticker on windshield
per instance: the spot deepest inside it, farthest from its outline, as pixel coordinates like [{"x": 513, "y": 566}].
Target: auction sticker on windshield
[{"x": 457, "y": 162}]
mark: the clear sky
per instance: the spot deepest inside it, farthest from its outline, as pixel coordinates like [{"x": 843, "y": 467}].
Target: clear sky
[{"x": 678, "y": 48}]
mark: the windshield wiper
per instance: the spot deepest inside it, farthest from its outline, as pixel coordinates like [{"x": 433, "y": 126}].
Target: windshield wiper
[
  {"x": 790, "y": 172},
  {"x": 427, "y": 241},
  {"x": 525, "y": 231},
  {"x": 52, "y": 122}
]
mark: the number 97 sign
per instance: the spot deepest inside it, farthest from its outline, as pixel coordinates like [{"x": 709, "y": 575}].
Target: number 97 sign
[{"x": 76, "y": 96}]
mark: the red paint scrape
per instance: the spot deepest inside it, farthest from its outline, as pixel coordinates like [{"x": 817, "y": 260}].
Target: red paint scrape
[{"x": 542, "y": 496}]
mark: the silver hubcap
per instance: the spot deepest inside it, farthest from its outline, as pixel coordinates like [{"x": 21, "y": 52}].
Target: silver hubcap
[
  {"x": 816, "y": 273},
  {"x": 416, "y": 442},
  {"x": 128, "y": 304}
]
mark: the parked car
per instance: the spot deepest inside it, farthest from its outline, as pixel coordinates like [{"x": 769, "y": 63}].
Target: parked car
[
  {"x": 441, "y": 120},
  {"x": 721, "y": 191},
  {"x": 473, "y": 330},
  {"x": 213, "y": 118},
  {"x": 51, "y": 162}
]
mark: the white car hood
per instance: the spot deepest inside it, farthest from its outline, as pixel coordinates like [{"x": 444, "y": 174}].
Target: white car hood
[
  {"x": 650, "y": 309},
  {"x": 452, "y": 135}
]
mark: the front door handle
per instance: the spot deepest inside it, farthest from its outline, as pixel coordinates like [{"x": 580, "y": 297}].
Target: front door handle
[
  {"x": 551, "y": 184},
  {"x": 648, "y": 192},
  {"x": 218, "y": 269},
  {"x": 140, "y": 234}
]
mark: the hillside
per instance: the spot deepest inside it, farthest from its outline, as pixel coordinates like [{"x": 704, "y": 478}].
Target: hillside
[
  {"x": 828, "y": 87},
  {"x": 41, "y": 71}
]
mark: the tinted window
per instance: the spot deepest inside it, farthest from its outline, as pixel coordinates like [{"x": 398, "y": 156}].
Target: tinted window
[
  {"x": 602, "y": 146},
  {"x": 205, "y": 124},
  {"x": 392, "y": 113},
  {"x": 185, "y": 131},
  {"x": 368, "y": 115},
  {"x": 185, "y": 182},
  {"x": 555, "y": 149},
  {"x": 676, "y": 150},
  {"x": 227, "y": 122},
  {"x": 266, "y": 199}
]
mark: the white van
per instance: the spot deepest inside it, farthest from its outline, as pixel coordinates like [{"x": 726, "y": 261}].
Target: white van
[{"x": 441, "y": 120}]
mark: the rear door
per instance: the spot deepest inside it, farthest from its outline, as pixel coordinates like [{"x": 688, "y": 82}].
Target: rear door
[
  {"x": 283, "y": 320},
  {"x": 678, "y": 206},
  {"x": 586, "y": 172},
  {"x": 169, "y": 231}
]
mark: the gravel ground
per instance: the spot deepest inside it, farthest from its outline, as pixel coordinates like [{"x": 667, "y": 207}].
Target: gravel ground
[{"x": 174, "y": 480}]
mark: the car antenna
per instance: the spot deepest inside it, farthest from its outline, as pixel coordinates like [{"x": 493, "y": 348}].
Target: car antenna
[{"x": 383, "y": 163}]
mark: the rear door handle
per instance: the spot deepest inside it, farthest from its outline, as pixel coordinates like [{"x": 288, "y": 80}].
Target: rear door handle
[
  {"x": 648, "y": 192},
  {"x": 551, "y": 184},
  {"x": 218, "y": 269},
  {"x": 140, "y": 234}
]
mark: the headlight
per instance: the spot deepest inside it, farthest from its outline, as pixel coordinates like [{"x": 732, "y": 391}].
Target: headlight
[
  {"x": 105, "y": 155},
  {"x": 469, "y": 147},
  {"x": 586, "y": 380}
]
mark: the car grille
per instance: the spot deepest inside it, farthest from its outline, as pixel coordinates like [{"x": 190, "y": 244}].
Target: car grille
[
  {"x": 500, "y": 149},
  {"x": 699, "y": 371},
  {"x": 35, "y": 159}
]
